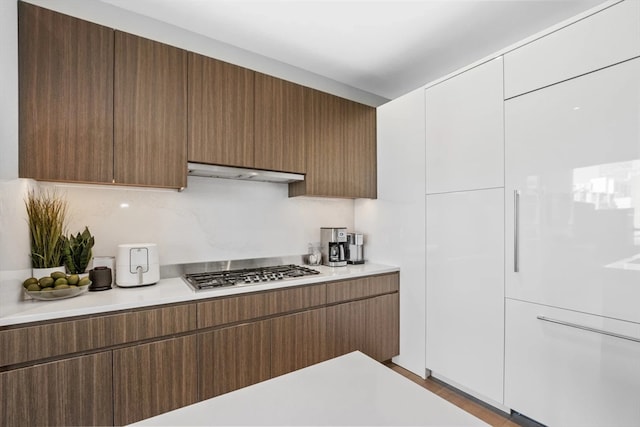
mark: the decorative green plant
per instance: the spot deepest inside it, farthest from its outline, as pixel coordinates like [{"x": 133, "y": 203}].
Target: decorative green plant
[
  {"x": 77, "y": 251},
  {"x": 47, "y": 212}
]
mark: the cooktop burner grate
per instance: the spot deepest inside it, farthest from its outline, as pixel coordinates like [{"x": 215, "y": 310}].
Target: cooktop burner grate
[{"x": 210, "y": 280}]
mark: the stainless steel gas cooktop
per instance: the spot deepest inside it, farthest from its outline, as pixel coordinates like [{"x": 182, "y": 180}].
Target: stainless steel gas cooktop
[{"x": 210, "y": 280}]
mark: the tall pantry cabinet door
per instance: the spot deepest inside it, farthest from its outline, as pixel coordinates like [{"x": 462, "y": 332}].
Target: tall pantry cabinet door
[
  {"x": 76, "y": 392},
  {"x": 221, "y": 114},
  {"x": 150, "y": 379},
  {"x": 66, "y": 97},
  {"x": 465, "y": 289},
  {"x": 573, "y": 154},
  {"x": 150, "y": 103},
  {"x": 464, "y": 132},
  {"x": 279, "y": 125}
]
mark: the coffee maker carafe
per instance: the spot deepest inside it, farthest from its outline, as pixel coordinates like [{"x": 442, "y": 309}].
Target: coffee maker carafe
[{"x": 333, "y": 242}]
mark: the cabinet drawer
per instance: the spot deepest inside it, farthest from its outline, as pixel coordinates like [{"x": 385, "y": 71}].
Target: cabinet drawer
[
  {"x": 252, "y": 306},
  {"x": 563, "y": 375},
  {"x": 75, "y": 391},
  {"x": 65, "y": 337},
  {"x": 605, "y": 38},
  {"x": 363, "y": 287}
]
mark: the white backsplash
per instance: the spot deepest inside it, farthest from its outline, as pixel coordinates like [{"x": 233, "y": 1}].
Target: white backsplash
[{"x": 212, "y": 219}]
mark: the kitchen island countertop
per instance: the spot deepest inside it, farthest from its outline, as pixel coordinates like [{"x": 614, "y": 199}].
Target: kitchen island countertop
[
  {"x": 22, "y": 309},
  {"x": 349, "y": 390}
]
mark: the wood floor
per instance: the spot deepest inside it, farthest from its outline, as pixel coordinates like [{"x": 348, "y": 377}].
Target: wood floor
[{"x": 471, "y": 405}]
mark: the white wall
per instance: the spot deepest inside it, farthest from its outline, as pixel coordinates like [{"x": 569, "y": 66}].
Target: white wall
[
  {"x": 394, "y": 224},
  {"x": 212, "y": 219}
]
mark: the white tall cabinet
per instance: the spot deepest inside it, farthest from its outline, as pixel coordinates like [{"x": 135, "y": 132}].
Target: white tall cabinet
[
  {"x": 572, "y": 221},
  {"x": 393, "y": 224},
  {"x": 464, "y": 226}
]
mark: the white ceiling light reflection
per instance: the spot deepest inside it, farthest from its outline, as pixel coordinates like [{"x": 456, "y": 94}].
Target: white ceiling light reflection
[{"x": 124, "y": 205}]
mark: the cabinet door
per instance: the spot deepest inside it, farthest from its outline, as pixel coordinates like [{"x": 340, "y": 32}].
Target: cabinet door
[
  {"x": 220, "y": 112},
  {"x": 359, "y": 141},
  {"x": 75, "y": 391},
  {"x": 150, "y": 103},
  {"x": 465, "y": 289},
  {"x": 464, "y": 131},
  {"x": 279, "y": 125},
  {"x": 297, "y": 341},
  {"x": 370, "y": 326},
  {"x": 383, "y": 327},
  {"x": 66, "y": 97},
  {"x": 150, "y": 379},
  {"x": 234, "y": 357},
  {"x": 561, "y": 375},
  {"x": 605, "y": 38},
  {"x": 323, "y": 149},
  {"x": 572, "y": 152}
]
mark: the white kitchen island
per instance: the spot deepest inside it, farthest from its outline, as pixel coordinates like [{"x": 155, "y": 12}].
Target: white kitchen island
[{"x": 349, "y": 390}]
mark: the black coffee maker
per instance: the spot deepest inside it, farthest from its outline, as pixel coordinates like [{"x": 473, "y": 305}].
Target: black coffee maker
[{"x": 334, "y": 246}]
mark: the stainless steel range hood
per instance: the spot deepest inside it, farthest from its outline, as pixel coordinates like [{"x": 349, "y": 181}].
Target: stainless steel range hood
[{"x": 215, "y": 171}]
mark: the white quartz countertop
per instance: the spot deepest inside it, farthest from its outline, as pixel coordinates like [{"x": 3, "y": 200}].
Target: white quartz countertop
[
  {"x": 349, "y": 390},
  {"x": 23, "y": 309}
]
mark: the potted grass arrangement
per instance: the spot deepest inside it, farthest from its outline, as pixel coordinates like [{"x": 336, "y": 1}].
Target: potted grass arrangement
[
  {"x": 46, "y": 214},
  {"x": 77, "y": 251}
]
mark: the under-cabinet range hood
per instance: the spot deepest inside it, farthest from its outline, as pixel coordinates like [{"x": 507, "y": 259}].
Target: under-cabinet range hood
[{"x": 227, "y": 172}]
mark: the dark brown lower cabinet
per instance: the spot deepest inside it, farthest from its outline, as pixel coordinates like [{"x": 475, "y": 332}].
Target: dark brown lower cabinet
[
  {"x": 234, "y": 357},
  {"x": 370, "y": 326},
  {"x": 76, "y": 391},
  {"x": 298, "y": 340},
  {"x": 149, "y": 379}
]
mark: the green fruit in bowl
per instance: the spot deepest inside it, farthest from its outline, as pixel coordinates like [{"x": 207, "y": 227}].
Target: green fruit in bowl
[
  {"x": 58, "y": 275},
  {"x": 45, "y": 282},
  {"x": 33, "y": 287},
  {"x": 60, "y": 281},
  {"x": 73, "y": 279},
  {"x": 30, "y": 281},
  {"x": 84, "y": 281}
]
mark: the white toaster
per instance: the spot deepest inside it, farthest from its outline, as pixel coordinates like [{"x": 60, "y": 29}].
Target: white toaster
[{"x": 137, "y": 264}]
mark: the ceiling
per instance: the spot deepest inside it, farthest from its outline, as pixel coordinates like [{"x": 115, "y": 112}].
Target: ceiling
[{"x": 386, "y": 48}]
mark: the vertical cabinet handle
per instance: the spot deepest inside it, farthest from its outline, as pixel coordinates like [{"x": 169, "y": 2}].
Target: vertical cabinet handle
[{"x": 516, "y": 231}]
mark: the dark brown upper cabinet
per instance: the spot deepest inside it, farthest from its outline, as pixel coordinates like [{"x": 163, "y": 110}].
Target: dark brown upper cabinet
[
  {"x": 66, "y": 97},
  {"x": 150, "y": 104},
  {"x": 221, "y": 107},
  {"x": 279, "y": 125},
  {"x": 340, "y": 138}
]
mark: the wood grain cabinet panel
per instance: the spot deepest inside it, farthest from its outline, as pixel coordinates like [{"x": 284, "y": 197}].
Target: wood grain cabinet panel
[
  {"x": 221, "y": 311},
  {"x": 234, "y": 357},
  {"x": 221, "y": 98},
  {"x": 369, "y": 325},
  {"x": 151, "y": 379},
  {"x": 362, "y": 287},
  {"x": 361, "y": 178},
  {"x": 298, "y": 340},
  {"x": 75, "y": 391},
  {"x": 325, "y": 161},
  {"x": 27, "y": 343},
  {"x": 279, "y": 125},
  {"x": 340, "y": 148},
  {"x": 150, "y": 104},
  {"x": 383, "y": 327},
  {"x": 66, "y": 97}
]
